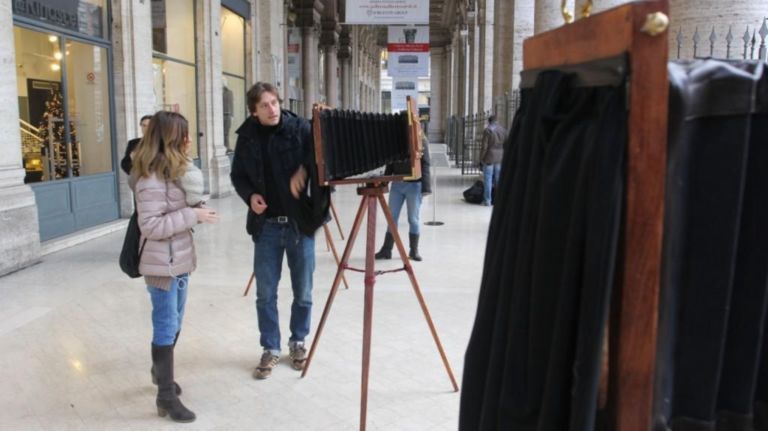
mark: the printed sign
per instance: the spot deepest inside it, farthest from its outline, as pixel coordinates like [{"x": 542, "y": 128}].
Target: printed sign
[
  {"x": 387, "y": 12},
  {"x": 402, "y": 88},
  {"x": 408, "y": 49}
]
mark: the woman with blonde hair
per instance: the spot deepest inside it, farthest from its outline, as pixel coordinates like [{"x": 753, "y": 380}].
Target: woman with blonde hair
[{"x": 168, "y": 255}]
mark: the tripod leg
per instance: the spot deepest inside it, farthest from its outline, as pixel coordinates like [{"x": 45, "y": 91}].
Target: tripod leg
[
  {"x": 370, "y": 280},
  {"x": 336, "y": 282},
  {"x": 336, "y": 217},
  {"x": 248, "y": 286},
  {"x": 329, "y": 241},
  {"x": 416, "y": 289}
]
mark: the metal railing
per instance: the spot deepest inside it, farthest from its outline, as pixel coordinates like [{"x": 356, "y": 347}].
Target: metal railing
[
  {"x": 464, "y": 134},
  {"x": 750, "y": 45}
]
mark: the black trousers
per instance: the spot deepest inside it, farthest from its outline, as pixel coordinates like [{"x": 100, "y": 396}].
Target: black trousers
[
  {"x": 533, "y": 359},
  {"x": 715, "y": 269}
]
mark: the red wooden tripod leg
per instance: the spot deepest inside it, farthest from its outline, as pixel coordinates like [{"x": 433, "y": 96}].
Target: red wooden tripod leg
[
  {"x": 248, "y": 286},
  {"x": 336, "y": 282},
  {"x": 370, "y": 281},
  {"x": 329, "y": 241},
  {"x": 336, "y": 217},
  {"x": 409, "y": 269}
]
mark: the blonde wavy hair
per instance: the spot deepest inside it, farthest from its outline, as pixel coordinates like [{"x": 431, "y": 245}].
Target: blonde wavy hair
[{"x": 162, "y": 150}]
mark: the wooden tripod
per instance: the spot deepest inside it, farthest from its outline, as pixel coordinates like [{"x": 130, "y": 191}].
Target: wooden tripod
[{"x": 372, "y": 193}]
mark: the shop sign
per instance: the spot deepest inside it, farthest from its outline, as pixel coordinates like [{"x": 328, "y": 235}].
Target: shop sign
[{"x": 75, "y": 15}]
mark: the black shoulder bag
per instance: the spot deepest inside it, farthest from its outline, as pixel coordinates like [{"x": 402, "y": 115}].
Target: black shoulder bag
[{"x": 130, "y": 256}]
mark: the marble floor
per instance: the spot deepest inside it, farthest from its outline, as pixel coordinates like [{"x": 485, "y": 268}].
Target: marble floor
[{"x": 75, "y": 334}]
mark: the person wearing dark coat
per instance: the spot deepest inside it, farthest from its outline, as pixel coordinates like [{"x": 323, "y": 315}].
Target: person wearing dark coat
[
  {"x": 127, "y": 161},
  {"x": 275, "y": 174}
]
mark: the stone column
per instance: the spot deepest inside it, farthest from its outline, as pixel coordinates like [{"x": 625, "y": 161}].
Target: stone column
[
  {"x": 309, "y": 20},
  {"x": 213, "y": 154},
  {"x": 436, "y": 131},
  {"x": 20, "y": 244},
  {"x": 447, "y": 83},
  {"x": 504, "y": 27},
  {"x": 473, "y": 59},
  {"x": 523, "y": 29},
  {"x": 133, "y": 81},
  {"x": 271, "y": 42},
  {"x": 686, "y": 16},
  {"x": 485, "y": 74},
  {"x": 252, "y": 57},
  {"x": 329, "y": 40},
  {"x": 345, "y": 67},
  {"x": 548, "y": 15},
  {"x": 462, "y": 77}
]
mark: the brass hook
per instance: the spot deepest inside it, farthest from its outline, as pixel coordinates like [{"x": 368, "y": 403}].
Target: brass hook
[
  {"x": 586, "y": 10},
  {"x": 567, "y": 15}
]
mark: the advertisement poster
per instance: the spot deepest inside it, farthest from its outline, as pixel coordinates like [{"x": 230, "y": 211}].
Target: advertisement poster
[
  {"x": 402, "y": 88},
  {"x": 408, "y": 51},
  {"x": 293, "y": 58},
  {"x": 387, "y": 12}
]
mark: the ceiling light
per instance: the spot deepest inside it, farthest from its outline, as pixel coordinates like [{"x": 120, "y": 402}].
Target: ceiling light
[
  {"x": 55, "y": 67},
  {"x": 57, "y": 55},
  {"x": 53, "y": 38}
]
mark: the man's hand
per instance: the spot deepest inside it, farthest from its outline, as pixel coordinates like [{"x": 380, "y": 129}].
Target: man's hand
[
  {"x": 258, "y": 204},
  {"x": 298, "y": 181}
]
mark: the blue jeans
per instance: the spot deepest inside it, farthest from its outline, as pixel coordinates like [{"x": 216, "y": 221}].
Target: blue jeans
[
  {"x": 274, "y": 241},
  {"x": 490, "y": 172},
  {"x": 168, "y": 310},
  {"x": 410, "y": 193}
]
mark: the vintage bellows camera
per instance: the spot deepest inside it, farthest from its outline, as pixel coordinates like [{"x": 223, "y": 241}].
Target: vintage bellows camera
[{"x": 350, "y": 145}]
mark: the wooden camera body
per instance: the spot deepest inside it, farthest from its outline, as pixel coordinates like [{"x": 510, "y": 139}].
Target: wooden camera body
[{"x": 349, "y": 144}]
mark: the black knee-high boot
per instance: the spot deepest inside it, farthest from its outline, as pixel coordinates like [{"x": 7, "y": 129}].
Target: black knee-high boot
[
  {"x": 168, "y": 403},
  {"x": 414, "y": 242},
  {"x": 386, "y": 248},
  {"x": 152, "y": 370}
]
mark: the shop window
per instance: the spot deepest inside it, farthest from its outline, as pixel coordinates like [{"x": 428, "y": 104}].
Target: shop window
[
  {"x": 173, "y": 28},
  {"x": 175, "y": 90},
  {"x": 235, "y": 109},
  {"x": 174, "y": 61},
  {"x": 65, "y": 129}
]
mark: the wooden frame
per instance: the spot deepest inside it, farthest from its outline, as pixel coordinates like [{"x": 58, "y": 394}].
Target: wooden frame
[
  {"x": 414, "y": 149},
  {"x": 638, "y": 30}
]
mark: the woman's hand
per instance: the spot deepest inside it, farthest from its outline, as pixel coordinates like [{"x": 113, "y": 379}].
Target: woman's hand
[{"x": 206, "y": 215}]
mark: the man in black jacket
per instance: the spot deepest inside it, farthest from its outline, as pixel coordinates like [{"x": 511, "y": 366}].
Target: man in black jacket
[
  {"x": 127, "y": 161},
  {"x": 274, "y": 172}
]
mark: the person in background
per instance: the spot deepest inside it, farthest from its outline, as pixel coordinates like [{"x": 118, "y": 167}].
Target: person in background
[
  {"x": 411, "y": 193},
  {"x": 168, "y": 252},
  {"x": 274, "y": 172},
  {"x": 491, "y": 154},
  {"x": 125, "y": 164}
]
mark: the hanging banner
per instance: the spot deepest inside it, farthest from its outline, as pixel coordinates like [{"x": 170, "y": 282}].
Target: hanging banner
[
  {"x": 408, "y": 51},
  {"x": 387, "y": 12},
  {"x": 400, "y": 89},
  {"x": 293, "y": 57}
]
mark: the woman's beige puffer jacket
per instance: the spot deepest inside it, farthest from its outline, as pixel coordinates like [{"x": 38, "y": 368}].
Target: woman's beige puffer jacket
[{"x": 166, "y": 222}]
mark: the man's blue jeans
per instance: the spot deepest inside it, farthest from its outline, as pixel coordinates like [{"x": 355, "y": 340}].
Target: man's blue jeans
[
  {"x": 168, "y": 310},
  {"x": 274, "y": 241},
  {"x": 490, "y": 180},
  {"x": 409, "y": 193}
]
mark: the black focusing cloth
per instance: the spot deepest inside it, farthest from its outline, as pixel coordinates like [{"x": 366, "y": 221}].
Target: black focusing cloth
[{"x": 533, "y": 359}]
